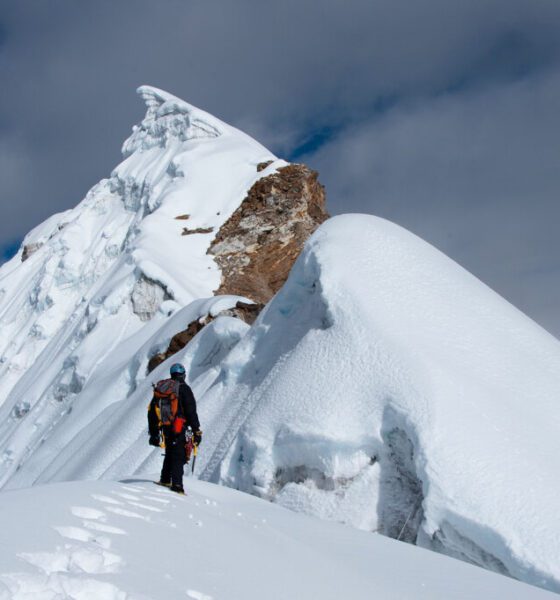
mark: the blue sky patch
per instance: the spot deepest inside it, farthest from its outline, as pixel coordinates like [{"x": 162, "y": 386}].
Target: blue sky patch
[
  {"x": 8, "y": 250},
  {"x": 312, "y": 142}
]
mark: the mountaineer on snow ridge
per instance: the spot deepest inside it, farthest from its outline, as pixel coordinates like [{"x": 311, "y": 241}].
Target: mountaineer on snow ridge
[{"x": 173, "y": 424}]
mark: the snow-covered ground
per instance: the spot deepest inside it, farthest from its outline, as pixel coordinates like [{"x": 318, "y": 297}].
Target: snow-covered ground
[
  {"x": 109, "y": 273},
  {"x": 400, "y": 395},
  {"x": 132, "y": 540},
  {"x": 386, "y": 387},
  {"x": 383, "y": 386}
]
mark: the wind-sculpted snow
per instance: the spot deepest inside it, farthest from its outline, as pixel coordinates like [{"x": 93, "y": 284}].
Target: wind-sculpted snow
[
  {"x": 108, "y": 274},
  {"x": 104, "y": 435},
  {"x": 169, "y": 118},
  {"x": 131, "y": 540},
  {"x": 383, "y": 386},
  {"x": 386, "y": 387}
]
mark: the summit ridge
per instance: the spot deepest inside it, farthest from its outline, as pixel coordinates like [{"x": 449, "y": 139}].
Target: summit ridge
[{"x": 373, "y": 381}]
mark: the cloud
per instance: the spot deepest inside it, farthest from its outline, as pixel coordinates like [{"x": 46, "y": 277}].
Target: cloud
[
  {"x": 402, "y": 87},
  {"x": 474, "y": 173}
]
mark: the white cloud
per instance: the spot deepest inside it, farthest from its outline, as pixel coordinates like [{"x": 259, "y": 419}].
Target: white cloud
[
  {"x": 474, "y": 173},
  {"x": 280, "y": 70}
]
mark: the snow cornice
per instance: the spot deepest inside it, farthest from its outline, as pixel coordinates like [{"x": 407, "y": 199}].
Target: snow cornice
[{"x": 169, "y": 118}]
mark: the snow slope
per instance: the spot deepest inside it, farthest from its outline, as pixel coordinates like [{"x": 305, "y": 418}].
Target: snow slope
[
  {"x": 109, "y": 273},
  {"x": 386, "y": 387},
  {"x": 400, "y": 395},
  {"x": 132, "y": 540},
  {"x": 383, "y": 386}
]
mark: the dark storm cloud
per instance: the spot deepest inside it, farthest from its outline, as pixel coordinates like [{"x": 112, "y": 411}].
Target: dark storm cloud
[{"x": 438, "y": 114}]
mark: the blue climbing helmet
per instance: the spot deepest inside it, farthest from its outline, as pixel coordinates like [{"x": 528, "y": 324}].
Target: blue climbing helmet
[{"x": 177, "y": 369}]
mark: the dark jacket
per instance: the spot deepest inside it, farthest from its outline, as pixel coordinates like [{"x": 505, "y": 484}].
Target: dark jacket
[{"x": 186, "y": 409}]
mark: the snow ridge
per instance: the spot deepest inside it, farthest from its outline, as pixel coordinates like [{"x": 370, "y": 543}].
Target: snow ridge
[
  {"x": 383, "y": 386},
  {"x": 168, "y": 118},
  {"x": 115, "y": 268},
  {"x": 401, "y": 396}
]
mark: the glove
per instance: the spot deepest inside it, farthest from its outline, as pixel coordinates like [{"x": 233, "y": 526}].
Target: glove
[
  {"x": 197, "y": 437},
  {"x": 154, "y": 440}
]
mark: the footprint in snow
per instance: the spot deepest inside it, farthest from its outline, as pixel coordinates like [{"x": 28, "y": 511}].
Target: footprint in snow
[
  {"x": 198, "y": 595},
  {"x": 23, "y": 586},
  {"x": 85, "y": 512},
  {"x": 154, "y": 499},
  {"x": 132, "y": 488},
  {"x": 61, "y": 572},
  {"x": 83, "y": 535},
  {"x": 126, "y": 496},
  {"x": 74, "y": 559},
  {"x": 145, "y": 506},
  {"x": 123, "y": 512},
  {"x": 106, "y": 499},
  {"x": 94, "y": 526}
]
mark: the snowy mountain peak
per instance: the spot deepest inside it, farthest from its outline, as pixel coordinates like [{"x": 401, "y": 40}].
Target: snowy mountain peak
[
  {"x": 112, "y": 270},
  {"x": 169, "y": 119},
  {"x": 97, "y": 291},
  {"x": 382, "y": 386}
]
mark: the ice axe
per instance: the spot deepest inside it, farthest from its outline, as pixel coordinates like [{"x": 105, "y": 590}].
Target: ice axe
[{"x": 195, "y": 452}]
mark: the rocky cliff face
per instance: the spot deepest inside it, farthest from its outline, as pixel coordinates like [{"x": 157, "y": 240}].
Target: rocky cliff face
[{"x": 257, "y": 246}]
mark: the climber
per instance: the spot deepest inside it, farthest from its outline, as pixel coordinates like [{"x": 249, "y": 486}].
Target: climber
[{"x": 172, "y": 412}]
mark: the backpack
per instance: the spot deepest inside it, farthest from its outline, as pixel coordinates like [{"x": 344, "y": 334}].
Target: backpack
[{"x": 166, "y": 395}]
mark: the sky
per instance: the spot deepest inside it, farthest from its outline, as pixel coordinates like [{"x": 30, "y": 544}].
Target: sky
[{"x": 440, "y": 115}]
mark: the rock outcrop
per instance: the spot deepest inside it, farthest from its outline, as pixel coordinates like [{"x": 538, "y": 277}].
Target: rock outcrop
[
  {"x": 187, "y": 231},
  {"x": 260, "y": 242},
  {"x": 257, "y": 246},
  {"x": 242, "y": 310},
  {"x": 28, "y": 250}
]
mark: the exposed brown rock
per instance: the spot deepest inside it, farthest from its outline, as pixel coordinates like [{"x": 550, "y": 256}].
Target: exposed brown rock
[
  {"x": 182, "y": 217},
  {"x": 178, "y": 342},
  {"x": 197, "y": 230},
  {"x": 262, "y": 166},
  {"x": 245, "y": 311},
  {"x": 257, "y": 246},
  {"x": 28, "y": 250},
  {"x": 242, "y": 310},
  {"x": 260, "y": 242}
]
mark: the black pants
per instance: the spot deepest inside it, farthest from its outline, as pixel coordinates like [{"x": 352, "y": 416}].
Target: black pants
[{"x": 175, "y": 458}]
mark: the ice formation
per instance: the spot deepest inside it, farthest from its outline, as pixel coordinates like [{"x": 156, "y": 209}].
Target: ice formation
[
  {"x": 383, "y": 386},
  {"x": 115, "y": 268}
]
